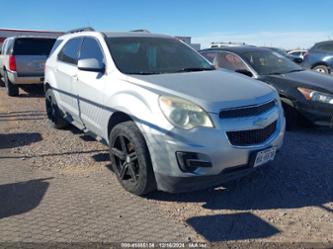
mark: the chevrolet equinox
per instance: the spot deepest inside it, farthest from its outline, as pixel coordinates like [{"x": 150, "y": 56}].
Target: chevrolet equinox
[{"x": 171, "y": 120}]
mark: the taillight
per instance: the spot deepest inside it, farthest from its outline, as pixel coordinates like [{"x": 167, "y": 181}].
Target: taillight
[{"x": 12, "y": 63}]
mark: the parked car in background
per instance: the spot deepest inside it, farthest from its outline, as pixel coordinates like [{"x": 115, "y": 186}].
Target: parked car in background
[
  {"x": 307, "y": 96},
  {"x": 320, "y": 57},
  {"x": 283, "y": 52},
  {"x": 22, "y": 61},
  {"x": 172, "y": 121},
  {"x": 299, "y": 53}
]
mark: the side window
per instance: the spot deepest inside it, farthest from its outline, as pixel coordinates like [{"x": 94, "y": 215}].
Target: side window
[
  {"x": 229, "y": 61},
  {"x": 90, "y": 49},
  {"x": 326, "y": 47},
  {"x": 69, "y": 53}
]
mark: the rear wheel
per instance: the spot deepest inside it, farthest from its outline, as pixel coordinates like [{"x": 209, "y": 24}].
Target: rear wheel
[
  {"x": 54, "y": 114},
  {"x": 11, "y": 89},
  {"x": 321, "y": 69},
  {"x": 2, "y": 83},
  {"x": 131, "y": 160}
]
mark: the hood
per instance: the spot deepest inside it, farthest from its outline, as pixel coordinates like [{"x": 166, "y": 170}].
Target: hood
[
  {"x": 213, "y": 90},
  {"x": 307, "y": 79}
]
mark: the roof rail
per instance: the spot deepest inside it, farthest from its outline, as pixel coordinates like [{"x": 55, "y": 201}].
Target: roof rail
[
  {"x": 80, "y": 30},
  {"x": 140, "y": 30},
  {"x": 227, "y": 44}
]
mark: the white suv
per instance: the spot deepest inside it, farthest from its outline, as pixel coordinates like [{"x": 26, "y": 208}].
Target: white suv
[{"x": 171, "y": 120}]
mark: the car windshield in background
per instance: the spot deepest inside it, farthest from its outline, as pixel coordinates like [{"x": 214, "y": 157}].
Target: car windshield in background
[
  {"x": 33, "y": 46},
  {"x": 150, "y": 55},
  {"x": 267, "y": 62}
]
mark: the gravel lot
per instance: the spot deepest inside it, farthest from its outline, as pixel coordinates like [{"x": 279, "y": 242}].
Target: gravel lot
[{"x": 290, "y": 200}]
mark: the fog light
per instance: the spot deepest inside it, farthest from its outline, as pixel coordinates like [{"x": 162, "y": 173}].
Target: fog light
[{"x": 190, "y": 161}]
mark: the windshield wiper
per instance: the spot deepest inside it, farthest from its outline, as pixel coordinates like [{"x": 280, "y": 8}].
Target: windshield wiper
[
  {"x": 295, "y": 70},
  {"x": 273, "y": 73},
  {"x": 195, "y": 69},
  {"x": 291, "y": 71},
  {"x": 144, "y": 73}
]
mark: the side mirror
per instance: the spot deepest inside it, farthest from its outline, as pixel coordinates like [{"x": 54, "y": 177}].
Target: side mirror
[
  {"x": 245, "y": 72},
  {"x": 91, "y": 65},
  {"x": 298, "y": 60}
]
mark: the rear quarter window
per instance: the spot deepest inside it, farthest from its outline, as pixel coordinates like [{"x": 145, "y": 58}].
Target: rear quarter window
[
  {"x": 32, "y": 46},
  {"x": 8, "y": 47},
  {"x": 56, "y": 45}
]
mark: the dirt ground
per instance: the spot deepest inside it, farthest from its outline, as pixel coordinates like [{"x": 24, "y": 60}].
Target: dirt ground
[{"x": 289, "y": 200}]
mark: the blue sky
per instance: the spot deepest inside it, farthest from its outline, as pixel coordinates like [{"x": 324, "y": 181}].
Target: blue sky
[{"x": 279, "y": 23}]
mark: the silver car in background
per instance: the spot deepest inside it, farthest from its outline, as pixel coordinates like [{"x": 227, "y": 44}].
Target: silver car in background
[
  {"x": 22, "y": 61},
  {"x": 171, "y": 120}
]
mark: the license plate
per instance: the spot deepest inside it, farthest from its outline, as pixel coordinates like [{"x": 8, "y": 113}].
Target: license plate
[{"x": 264, "y": 156}]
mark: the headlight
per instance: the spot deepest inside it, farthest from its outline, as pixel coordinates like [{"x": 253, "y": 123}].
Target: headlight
[
  {"x": 184, "y": 114},
  {"x": 316, "y": 96}
]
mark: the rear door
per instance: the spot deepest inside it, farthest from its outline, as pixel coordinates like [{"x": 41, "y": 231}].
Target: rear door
[
  {"x": 66, "y": 76},
  {"x": 30, "y": 55},
  {"x": 90, "y": 87}
]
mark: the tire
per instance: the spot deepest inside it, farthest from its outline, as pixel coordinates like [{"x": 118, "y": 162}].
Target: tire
[
  {"x": 11, "y": 89},
  {"x": 321, "y": 69},
  {"x": 54, "y": 114},
  {"x": 292, "y": 117},
  {"x": 2, "y": 83},
  {"x": 131, "y": 160}
]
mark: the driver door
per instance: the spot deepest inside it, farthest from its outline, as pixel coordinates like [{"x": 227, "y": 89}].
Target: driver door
[{"x": 90, "y": 86}]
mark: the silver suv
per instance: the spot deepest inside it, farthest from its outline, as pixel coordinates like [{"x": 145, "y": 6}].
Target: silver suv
[
  {"x": 22, "y": 61},
  {"x": 171, "y": 120}
]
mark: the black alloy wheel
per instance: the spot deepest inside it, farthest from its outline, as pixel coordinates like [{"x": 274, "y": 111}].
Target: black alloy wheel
[{"x": 131, "y": 160}]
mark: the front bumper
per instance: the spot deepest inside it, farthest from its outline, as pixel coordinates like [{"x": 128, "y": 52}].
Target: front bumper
[
  {"x": 317, "y": 113},
  {"x": 212, "y": 142},
  {"x": 175, "y": 184},
  {"x": 25, "y": 80}
]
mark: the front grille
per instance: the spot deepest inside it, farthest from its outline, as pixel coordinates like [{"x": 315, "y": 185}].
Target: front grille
[
  {"x": 247, "y": 111},
  {"x": 251, "y": 137}
]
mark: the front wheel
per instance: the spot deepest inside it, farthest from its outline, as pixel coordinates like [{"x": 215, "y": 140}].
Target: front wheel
[
  {"x": 292, "y": 117},
  {"x": 131, "y": 160}
]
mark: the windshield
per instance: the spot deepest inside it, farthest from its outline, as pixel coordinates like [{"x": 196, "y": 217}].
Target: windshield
[
  {"x": 267, "y": 62},
  {"x": 149, "y": 55},
  {"x": 33, "y": 46}
]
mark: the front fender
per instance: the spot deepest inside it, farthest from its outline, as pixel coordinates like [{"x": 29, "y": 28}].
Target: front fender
[{"x": 141, "y": 110}]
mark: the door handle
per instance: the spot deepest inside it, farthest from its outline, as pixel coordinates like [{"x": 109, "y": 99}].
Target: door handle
[{"x": 75, "y": 77}]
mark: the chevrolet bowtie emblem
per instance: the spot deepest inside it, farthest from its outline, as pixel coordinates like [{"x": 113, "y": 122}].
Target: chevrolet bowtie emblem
[{"x": 260, "y": 122}]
